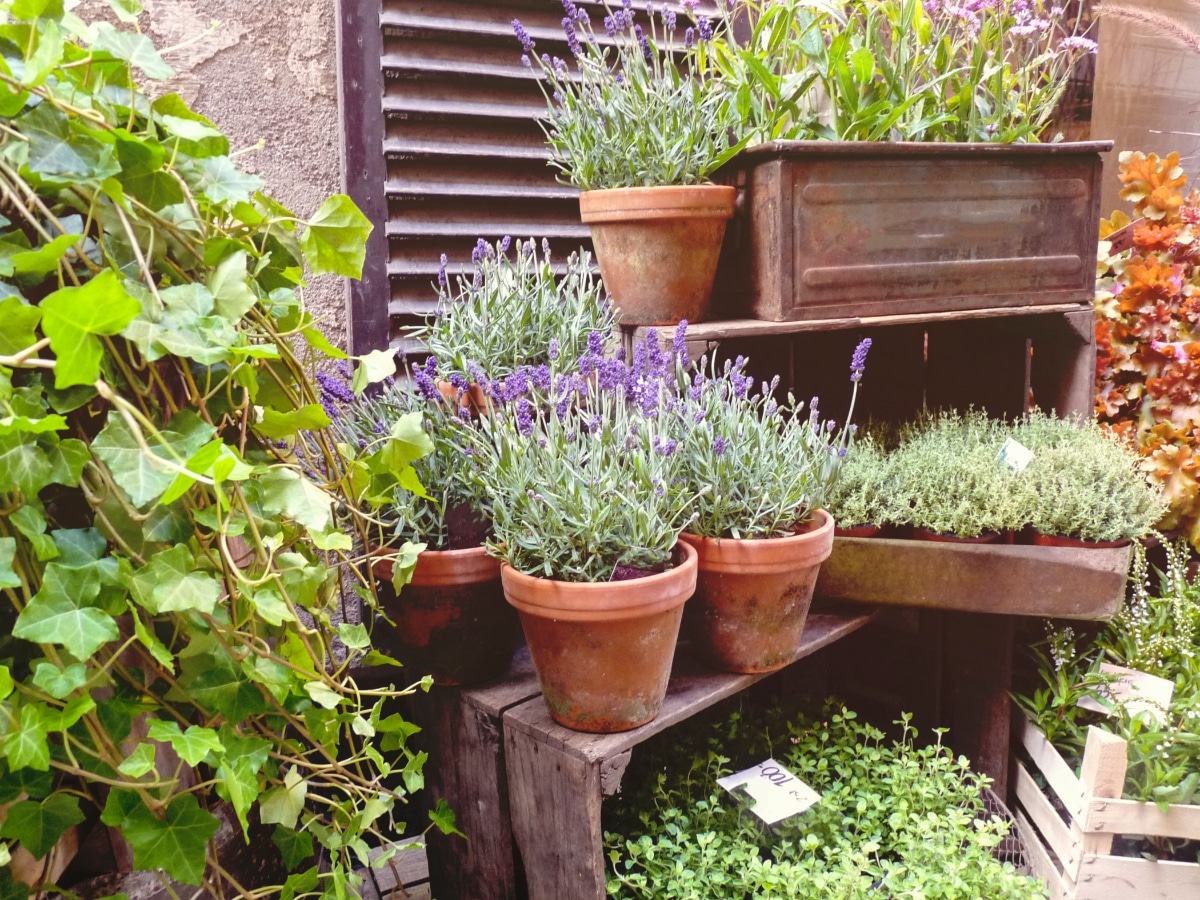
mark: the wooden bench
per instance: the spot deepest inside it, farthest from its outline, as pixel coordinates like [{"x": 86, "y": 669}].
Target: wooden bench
[{"x": 558, "y": 778}]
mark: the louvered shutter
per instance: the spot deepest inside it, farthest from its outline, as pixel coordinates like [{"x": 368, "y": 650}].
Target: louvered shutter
[{"x": 443, "y": 146}]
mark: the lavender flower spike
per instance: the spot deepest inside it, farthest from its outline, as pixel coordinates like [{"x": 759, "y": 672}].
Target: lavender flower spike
[
  {"x": 523, "y": 36},
  {"x": 858, "y": 363}
]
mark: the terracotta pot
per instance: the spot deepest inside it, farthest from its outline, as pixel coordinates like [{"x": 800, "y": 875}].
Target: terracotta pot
[
  {"x": 1056, "y": 540},
  {"x": 920, "y": 534},
  {"x": 658, "y": 247},
  {"x": 603, "y": 651},
  {"x": 475, "y": 398},
  {"x": 859, "y": 531},
  {"x": 752, "y": 596},
  {"x": 451, "y": 619}
]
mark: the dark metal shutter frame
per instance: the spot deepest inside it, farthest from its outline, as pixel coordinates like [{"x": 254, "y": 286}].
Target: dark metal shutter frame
[{"x": 443, "y": 145}]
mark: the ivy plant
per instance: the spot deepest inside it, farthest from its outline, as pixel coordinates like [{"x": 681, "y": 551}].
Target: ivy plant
[{"x": 176, "y": 520}]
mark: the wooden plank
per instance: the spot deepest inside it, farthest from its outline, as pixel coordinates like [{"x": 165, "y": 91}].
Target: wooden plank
[
  {"x": 515, "y": 686},
  {"x": 693, "y": 687},
  {"x": 1063, "y": 367},
  {"x": 1043, "y": 814},
  {"x": 718, "y": 330},
  {"x": 978, "y": 675},
  {"x": 976, "y": 363},
  {"x": 1125, "y": 877},
  {"x": 408, "y": 866},
  {"x": 1040, "y": 863},
  {"x": 1061, "y": 582},
  {"x": 1134, "y": 817},
  {"x": 1052, "y": 767},
  {"x": 555, "y": 799},
  {"x": 1105, "y": 757}
]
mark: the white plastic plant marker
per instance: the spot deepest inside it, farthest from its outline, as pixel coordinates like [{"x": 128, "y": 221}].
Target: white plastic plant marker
[
  {"x": 777, "y": 793},
  {"x": 1014, "y": 456},
  {"x": 1137, "y": 691}
]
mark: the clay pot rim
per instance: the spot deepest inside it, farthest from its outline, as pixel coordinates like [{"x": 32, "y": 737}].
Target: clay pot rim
[
  {"x": 767, "y": 555},
  {"x": 602, "y": 601},
  {"x": 988, "y": 537},
  {"x": 438, "y": 568},
  {"x": 1063, "y": 540},
  {"x": 677, "y": 201}
]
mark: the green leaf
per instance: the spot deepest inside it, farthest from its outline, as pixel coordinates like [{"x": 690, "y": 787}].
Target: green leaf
[
  {"x": 39, "y": 824},
  {"x": 238, "y": 783},
  {"x": 126, "y": 10},
  {"x": 144, "y": 478},
  {"x": 322, "y": 695},
  {"x": 294, "y": 847},
  {"x": 193, "y": 745},
  {"x": 176, "y": 845},
  {"x": 25, "y": 743},
  {"x": 17, "y": 323},
  {"x": 6, "y": 682},
  {"x": 11, "y": 889},
  {"x": 54, "y": 617},
  {"x": 373, "y": 367},
  {"x": 317, "y": 340},
  {"x": 151, "y": 642},
  {"x": 336, "y": 237},
  {"x": 354, "y": 636},
  {"x": 443, "y": 818},
  {"x": 23, "y": 465},
  {"x": 37, "y": 264},
  {"x": 216, "y": 683},
  {"x": 65, "y": 153},
  {"x": 232, "y": 296},
  {"x": 289, "y": 493},
  {"x": 8, "y": 552},
  {"x": 73, "y": 318},
  {"x": 269, "y": 604},
  {"x": 283, "y": 804},
  {"x": 193, "y": 134},
  {"x": 413, "y": 773},
  {"x": 135, "y": 49},
  {"x": 60, "y": 683},
  {"x": 277, "y": 425},
  {"x": 170, "y": 583},
  {"x": 140, "y": 761},
  {"x": 223, "y": 182}
]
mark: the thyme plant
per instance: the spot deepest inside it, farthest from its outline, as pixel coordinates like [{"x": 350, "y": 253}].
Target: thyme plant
[
  {"x": 625, "y": 111},
  {"x": 177, "y": 520},
  {"x": 865, "y": 489}
]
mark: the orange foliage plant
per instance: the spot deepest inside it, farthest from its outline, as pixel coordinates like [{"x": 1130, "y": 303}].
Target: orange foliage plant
[{"x": 1148, "y": 330}]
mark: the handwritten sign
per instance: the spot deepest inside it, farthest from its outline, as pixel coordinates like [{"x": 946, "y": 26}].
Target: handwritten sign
[
  {"x": 1014, "y": 456},
  {"x": 1137, "y": 691},
  {"x": 776, "y": 792}
]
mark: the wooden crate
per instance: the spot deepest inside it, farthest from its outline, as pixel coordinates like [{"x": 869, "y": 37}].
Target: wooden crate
[{"x": 1074, "y": 853}]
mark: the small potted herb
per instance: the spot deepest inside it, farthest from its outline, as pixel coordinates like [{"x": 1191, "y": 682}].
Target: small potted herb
[
  {"x": 640, "y": 137},
  {"x": 587, "y": 509},
  {"x": 513, "y": 314},
  {"x": 760, "y": 532},
  {"x": 861, "y": 499},
  {"x": 451, "y": 620}
]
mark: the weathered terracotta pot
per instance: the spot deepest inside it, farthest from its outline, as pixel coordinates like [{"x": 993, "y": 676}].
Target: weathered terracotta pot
[
  {"x": 752, "y": 596},
  {"x": 603, "y": 651},
  {"x": 475, "y": 398},
  {"x": 658, "y": 248},
  {"x": 1056, "y": 540},
  {"x": 920, "y": 534},
  {"x": 859, "y": 531},
  {"x": 451, "y": 619}
]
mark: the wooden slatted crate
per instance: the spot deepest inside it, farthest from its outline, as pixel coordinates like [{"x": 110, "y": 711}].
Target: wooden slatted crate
[{"x": 1074, "y": 853}]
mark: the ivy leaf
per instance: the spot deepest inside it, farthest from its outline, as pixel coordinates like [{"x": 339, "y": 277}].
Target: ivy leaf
[
  {"x": 39, "y": 824},
  {"x": 8, "y": 552},
  {"x": 62, "y": 153},
  {"x": 37, "y": 264},
  {"x": 269, "y": 604},
  {"x": 443, "y": 818},
  {"x": 150, "y": 641},
  {"x": 25, "y": 744},
  {"x": 135, "y": 49},
  {"x": 288, "y": 492},
  {"x": 11, "y": 889},
  {"x": 141, "y": 477},
  {"x": 126, "y": 10},
  {"x": 55, "y": 616},
  {"x": 231, "y": 295},
  {"x": 277, "y": 424},
  {"x": 140, "y": 761},
  {"x": 60, "y": 683},
  {"x": 17, "y": 323},
  {"x": 6, "y": 682},
  {"x": 176, "y": 845},
  {"x": 372, "y": 367},
  {"x": 354, "y": 636},
  {"x": 170, "y": 583},
  {"x": 73, "y": 317},
  {"x": 335, "y": 241},
  {"x": 283, "y": 804},
  {"x": 317, "y": 340},
  {"x": 193, "y": 745},
  {"x": 322, "y": 695},
  {"x": 217, "y": 684},
  {"x": 23, "y": 465},
  {"x": 223, "y": 182},
  {"x": 293, "y": 846}
]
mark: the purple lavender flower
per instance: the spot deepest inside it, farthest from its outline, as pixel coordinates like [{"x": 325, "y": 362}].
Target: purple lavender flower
[
  {"x": 480, "y": 253},
  {"x": 669, "y": 20},
  {"x": 570, "y": 9},
  {"x": 858, "y": 362},
  {"x": 679, "y": 344},
  {"x": 525, "y": 417},
  {"x": 526, "y": 61},
  {"x": 689, "y": 38},
  {"x": 568, "y": 26},
  {"x": 813, "y": 412},
  {"x": 644, "y": 40},
  {"x": 464, "y": 413},
  {"x": 334, "y": 388},
  {"x": 516, "y": 385},
  {"x": 610, "y": 26},
  {"x": 460, "y": 383},
  {"x": 425, "y": 385},
  {"x": 344, "y": 370},
  {"x": 539, "y": 377},
  {"x": 552, "y": 349},
  {"x": 431, "y": 366},
  {"x": 506, "y": 243},
  {"x": 564, "y": 405},
  {"x": 719, "y": 446},
  {"x": 442, "y": 279},
  {"x": 523, "y": 36},
  {"x": 705, "y": 28},
  {"x": 666, "y": 448}
]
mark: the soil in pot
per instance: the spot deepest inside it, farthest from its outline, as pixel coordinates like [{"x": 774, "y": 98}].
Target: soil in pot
[
  {"x": 451, "y": 619},
  {"x": 658, "y": 248},
  {"x": 1057, "y": 540},
  {"x": 603, "y": 651},
  {"x": 753, "y": 596},
  {"x": 920, "y": 534}
]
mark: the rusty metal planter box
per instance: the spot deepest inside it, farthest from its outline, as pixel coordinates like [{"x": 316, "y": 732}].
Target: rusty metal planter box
[{"x": 834, "y": 228}]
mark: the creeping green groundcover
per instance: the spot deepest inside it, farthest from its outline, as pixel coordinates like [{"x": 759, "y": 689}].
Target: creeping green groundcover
[{"x": 896, "y": 820}]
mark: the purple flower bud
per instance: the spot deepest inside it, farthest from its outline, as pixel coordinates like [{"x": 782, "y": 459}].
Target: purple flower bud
[
  {"x": 525, "y": 417},
  {"x": 568, "y": 26},
  {"x": 679, "y": 344},
  {"x": 812, "y": 411},
  {"x": 858, "y": 363},
  {"x": 425, "y": 385},
  {"x": 705, "y": 28},
  {"x": 523, "y": 36},
  {"x": 540, "y": 378},
  {"x": 460, "y": 383},
  {"x": 669, "y": 20},
  {"x": 442, "y": 280},
  {"x": 464, "y": 413},
  {"x": 644, "y": 40},
  {"x": 506, "y": 243},
  {"x": 719, "y": 446},
  {"x": 526, "y": 61},
  {"x": 553, "y": 349},
  {"x": 595, "y": 343},
  {"x": 689, "y": 38}
]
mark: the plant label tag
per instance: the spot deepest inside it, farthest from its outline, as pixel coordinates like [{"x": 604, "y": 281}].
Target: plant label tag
[
  {"x": 1137, "y": 691},
  {"x": 1014, "y": 456},
  {"x": 777, "y": 793}
]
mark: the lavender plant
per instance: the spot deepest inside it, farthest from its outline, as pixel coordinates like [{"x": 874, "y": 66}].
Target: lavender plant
[
  {"x": 766, "y": 465},
  {"x": 627, "y": 113},
  {"x": 903, "y": 70},
  {"x": 514, "y": 312},
  {"x": 585, "y": 482}
]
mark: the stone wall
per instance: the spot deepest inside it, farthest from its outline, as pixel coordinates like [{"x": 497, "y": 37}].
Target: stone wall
[{"x": 268, "y": 72}]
